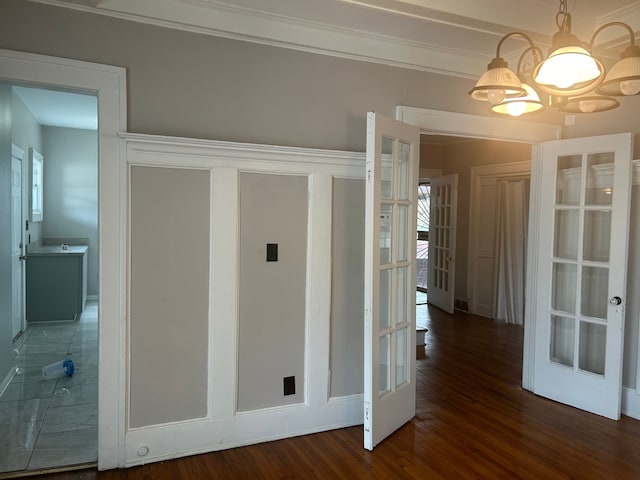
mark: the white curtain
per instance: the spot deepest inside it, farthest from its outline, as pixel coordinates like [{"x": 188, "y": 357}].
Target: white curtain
[{"x": 510, "y": 250}]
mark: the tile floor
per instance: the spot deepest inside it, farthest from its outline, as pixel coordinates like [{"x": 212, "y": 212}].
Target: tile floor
[{"x": 52, "y": 423}]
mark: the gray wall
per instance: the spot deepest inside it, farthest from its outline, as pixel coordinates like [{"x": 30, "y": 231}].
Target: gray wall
[
  {"x": 632, "y": 312},
  {"x": 271, "y": 346},
  {"x": 6, "y": 352},
  {"x": 190, "y": 85},
  {"x": 71, "y": 190},
  {"x": 460, "y": 158},
  {"x": 169, "y": 294},
  {"x": 347, "y": 287}
]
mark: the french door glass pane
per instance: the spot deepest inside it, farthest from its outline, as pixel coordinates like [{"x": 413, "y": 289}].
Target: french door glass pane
[
  {"x": 599, "y": 179},
  {"x": 562, "y": 340},
  {"x": 386, "y": 177},
  {"x": 403, "y": 225},
  {"x": 597, "y": 235},
  {"x": 592, "y": 347},
  {"x": 566, "y": 234},
  {"x": 569, "y": 180},
  {"x": 565, "y": 276},
  {"x": 595, "y": 281},
  {"x": 384, "y": 360},
  {"x": 385, "y": 299},
  {"x": 404, "y": 156},
  {"x": 402, "y": 282},
  {"x": 385, "y": 233},
  {"x": 401, "y": 356}
]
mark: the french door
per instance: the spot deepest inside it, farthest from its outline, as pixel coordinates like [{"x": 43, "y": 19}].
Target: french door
[
  {"x": 390, "y": 276},
  {"x": 442, "y": 242},
  {"x": 581, "y": 271}
]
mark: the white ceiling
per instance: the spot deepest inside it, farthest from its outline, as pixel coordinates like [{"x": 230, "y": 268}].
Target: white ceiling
[
  {"x": 60, "y": 109},
  {"x": 453, "y": 37}
]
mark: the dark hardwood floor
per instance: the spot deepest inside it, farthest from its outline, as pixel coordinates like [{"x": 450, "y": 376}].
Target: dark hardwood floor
[{"x": 473, "y": 421}]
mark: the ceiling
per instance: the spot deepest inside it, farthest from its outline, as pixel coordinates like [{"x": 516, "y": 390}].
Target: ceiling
[
  {"x": 60, "y": 109},
  {"x": 452, "y": 37}
]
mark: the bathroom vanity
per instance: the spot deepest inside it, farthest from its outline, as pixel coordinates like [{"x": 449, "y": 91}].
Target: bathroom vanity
[{"x": 56, "y": 282}]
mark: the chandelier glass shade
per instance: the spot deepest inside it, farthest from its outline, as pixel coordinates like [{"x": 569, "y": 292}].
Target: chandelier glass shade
[
  {"x": 574, "y": 80},
  {"x": 589, "y": 103}
]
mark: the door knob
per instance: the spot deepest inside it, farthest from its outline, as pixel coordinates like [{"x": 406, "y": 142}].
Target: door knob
[{"x": 615, "y": 300}]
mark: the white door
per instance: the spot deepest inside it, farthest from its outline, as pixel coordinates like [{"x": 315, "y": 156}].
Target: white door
[
  {"x": 17, "y": 311},
  {"x": 582, "y": 261},
  {"x": 442, "y": 242},
  {"x": 390, "y": 276}
]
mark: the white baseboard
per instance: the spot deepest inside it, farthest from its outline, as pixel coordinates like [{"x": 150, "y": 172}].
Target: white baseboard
[
  {"x": 92, "y": 298},
  {"x": 163, "y": 442},
  {"x": 7, "y": 380},
  {"x": 630, "y": 403}
]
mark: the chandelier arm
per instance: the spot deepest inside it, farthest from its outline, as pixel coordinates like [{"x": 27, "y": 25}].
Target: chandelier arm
[
  {"x": 536, "y": 53},
  {"x": 511, "y": 34},
  {"x": 632, "y": 39}
]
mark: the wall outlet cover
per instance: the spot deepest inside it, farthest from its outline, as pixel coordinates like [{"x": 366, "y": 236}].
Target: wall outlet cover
[
  {"x": 272, "y": 252},
  {"x": 289, "y": 385}
]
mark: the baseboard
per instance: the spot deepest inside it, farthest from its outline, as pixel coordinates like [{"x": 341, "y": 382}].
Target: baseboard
[
  {"x": 92, "y": 298},
  {"x": 7, "y": 380},
  {"x": 630, "y": 403}
]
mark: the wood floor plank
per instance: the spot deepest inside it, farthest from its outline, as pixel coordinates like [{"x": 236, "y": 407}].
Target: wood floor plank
[{"x": 473, "y": 421}]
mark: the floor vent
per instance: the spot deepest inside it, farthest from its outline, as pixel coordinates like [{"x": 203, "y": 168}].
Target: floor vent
[{"x": 460, "y": 304}]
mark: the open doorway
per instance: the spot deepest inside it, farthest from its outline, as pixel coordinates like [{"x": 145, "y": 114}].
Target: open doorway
[
  {"x": 422, "y": 242},
  {"x": 478, "y": 222},
  {"x": 53, "y": 422}
]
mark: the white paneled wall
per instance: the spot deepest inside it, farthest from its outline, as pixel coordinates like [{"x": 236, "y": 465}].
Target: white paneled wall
[{"x": 155, "y": 432}]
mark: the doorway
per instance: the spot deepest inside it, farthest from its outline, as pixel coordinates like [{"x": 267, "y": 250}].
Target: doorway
[
  {"x": 109, "y": 85},
  {"x": 422, "y": 243},
  {"x": 434, "y": 122},
  {"x": 56, "y": 229}
]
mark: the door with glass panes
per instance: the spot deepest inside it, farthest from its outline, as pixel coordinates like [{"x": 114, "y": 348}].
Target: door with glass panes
[
  {"x": 581, "y": 271},
  {"x": 390, "y": 276}
]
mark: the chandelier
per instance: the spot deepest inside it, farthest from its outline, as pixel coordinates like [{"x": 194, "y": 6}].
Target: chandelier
[{"x": 574, "y": 80}]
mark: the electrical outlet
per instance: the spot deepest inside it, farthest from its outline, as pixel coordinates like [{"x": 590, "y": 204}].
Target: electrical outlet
[{"x": 289, "y": 385}]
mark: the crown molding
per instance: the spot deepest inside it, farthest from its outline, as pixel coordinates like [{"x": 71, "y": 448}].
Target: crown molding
[
  {"x": 616, "y": 37},
  {"x": 233, "y": 22},
  {"x": 280, "y": 27}
]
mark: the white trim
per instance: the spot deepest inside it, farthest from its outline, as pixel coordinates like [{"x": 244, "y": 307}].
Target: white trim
[
  {"x": 224, "y": 427},
  {"x": 458, "y": 124},
  {"x": 240, "y": 23},
  {"x": 398, "y": 43},
  {"x": 192, "y": 437},
  {"x": 196, "y": 153},
  {"x": 109, "y": 83},
  {"x": 531, "y": 288},
  {"x": 318, "y": 309},
  {"x": 478, "y": 174},
  {"x": 631, "y": 403},
  {"x": 476, "y": 126}
]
